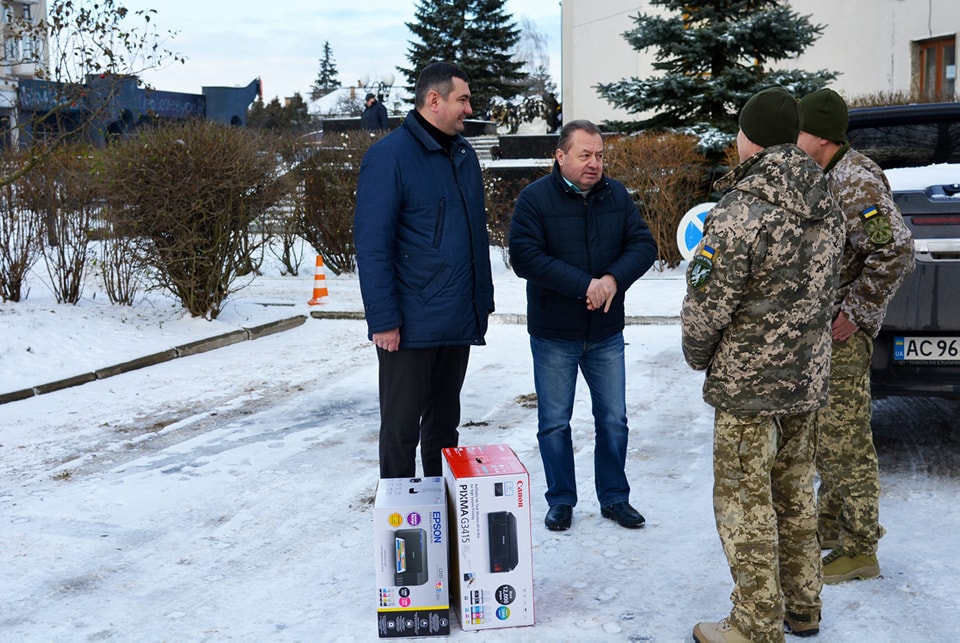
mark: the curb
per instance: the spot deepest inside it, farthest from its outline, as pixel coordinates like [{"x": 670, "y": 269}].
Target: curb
[
  {"x": 246, "y": 334},
  {"x": 185, "y": 350},
  {"x": 204, "y": 345},
  {"x": 515, "y": 318},
  {"x": 337, "y": 314},
  {"x": 134, "y": 364},
  {"x": 651, "y": 320}
]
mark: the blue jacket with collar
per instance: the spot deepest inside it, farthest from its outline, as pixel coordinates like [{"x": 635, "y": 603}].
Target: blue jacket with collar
[
  {"x": 560, "y": 239},
  {"x": 420, "y": 231}
]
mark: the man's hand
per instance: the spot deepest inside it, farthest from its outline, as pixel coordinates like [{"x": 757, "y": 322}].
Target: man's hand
[
  {"x": 843, "y": 329},
  {"x": 388, "y": 340},
  {"x": 596, "y": 294},
  {"x": 601, "y": 292}
]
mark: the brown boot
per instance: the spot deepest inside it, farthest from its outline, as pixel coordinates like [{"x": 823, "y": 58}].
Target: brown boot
[{"x": 721, "y": 632}]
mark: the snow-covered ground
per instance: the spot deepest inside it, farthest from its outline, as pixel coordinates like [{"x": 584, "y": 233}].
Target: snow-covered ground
[{"x": 228, "y": 495}]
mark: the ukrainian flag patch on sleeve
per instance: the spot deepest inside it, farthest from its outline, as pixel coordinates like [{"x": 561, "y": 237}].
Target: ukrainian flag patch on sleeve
[
  {"x": 701, "y": 267},
  {"x": 877, "y": 226}
]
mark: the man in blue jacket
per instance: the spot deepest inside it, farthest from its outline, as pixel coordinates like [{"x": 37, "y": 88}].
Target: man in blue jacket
[
  {"x": 424, "y": 262},
  {"x": 579, "y": 241},
  {"x": 374, "y": 116}
]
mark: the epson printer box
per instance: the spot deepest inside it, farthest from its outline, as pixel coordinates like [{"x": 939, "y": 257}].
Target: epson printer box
[
  {"x": 410, "y": 539},
  {"x": 491, "y": 561}
]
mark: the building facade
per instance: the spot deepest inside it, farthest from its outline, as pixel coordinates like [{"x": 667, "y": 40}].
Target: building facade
[
  {"x": 878, "y": 46},
  {"x": 102, "y": 105},
  {"x": 20, "y": 56}
]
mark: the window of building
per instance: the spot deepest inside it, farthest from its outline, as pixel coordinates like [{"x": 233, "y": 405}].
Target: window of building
[
  {"x": 11, "y": 50},
  {"x": 938, "y": 68}
]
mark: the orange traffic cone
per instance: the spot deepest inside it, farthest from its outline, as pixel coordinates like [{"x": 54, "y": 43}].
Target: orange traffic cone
[{"x": 319, "y": 285}]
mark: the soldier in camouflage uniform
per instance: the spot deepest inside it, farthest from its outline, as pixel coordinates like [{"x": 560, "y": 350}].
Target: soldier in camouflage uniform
[
  {"x": 756, "y": 317},
  {"x": 877, "y": 257}
]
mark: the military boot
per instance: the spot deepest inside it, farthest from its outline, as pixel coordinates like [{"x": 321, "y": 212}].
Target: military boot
[
  {"x": 721, "y": 632},
  {"x": 839, "y": 566},
  {"x": 802, "y": 624}
]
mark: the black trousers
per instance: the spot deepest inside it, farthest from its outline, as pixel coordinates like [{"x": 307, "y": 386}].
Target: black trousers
[{"x": 419, "y": 403}]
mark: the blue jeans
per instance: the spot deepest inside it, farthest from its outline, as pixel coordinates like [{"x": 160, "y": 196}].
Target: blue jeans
[{"x": 555, "y": 365}]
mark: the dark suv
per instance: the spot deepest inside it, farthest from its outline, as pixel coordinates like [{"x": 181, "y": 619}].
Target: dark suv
[{"x": 918, "y": 349}]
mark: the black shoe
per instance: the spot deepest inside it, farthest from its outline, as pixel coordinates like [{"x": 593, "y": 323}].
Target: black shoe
[
  {"x": 559, "y": 518},
  {"x": 624, "y": 514}
]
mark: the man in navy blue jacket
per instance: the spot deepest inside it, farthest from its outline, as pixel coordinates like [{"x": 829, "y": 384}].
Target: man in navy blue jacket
[
  {"x": 374, "y": 116},
  {"x": 579, "y": 241},
  {"x": 424, "y": 261}
]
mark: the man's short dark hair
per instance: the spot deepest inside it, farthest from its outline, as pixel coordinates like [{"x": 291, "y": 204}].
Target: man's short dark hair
[
  {"x": 563, "y": 143},
  {"x": 437, "y": 77}
]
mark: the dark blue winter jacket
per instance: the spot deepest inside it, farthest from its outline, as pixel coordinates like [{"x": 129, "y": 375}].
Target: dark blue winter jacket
[
  {"x": 560, "y": 239},
  {"x": 420, "y": 231},
  {"x": 375, "y": 117}
]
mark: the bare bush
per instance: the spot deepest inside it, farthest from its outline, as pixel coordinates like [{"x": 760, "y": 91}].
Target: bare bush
[
  {"x": 120, "y": 263},
  {"x": 883, "y": 98},
  {"x": 192, "y": 190},
  {"x": 65, "y": 189},
  {"x": 287, "y": 246},
  {"x": 731, "y": 157},
  {"x": 329, "y": 196},
  {"x": 668, "y": 177},
  {"x": 501, "y": 189},
  {"x": 283, "y": 220},
  {"x": 19, "y": 237}
]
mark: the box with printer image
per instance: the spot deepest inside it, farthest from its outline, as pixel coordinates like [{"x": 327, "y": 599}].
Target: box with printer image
[
  {"x": 491, "y": 552},
  {"x": 412, "y": 554}
]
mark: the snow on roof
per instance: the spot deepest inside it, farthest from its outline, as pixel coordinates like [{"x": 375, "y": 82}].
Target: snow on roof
[{"x": 398, "y": 101}]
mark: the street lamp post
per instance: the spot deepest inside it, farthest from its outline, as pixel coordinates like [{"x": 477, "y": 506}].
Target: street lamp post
[{"x": 380, "y": 87}]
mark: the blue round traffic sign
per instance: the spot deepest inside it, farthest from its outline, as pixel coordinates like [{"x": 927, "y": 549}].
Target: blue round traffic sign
[{"x": 690, "y": 230}]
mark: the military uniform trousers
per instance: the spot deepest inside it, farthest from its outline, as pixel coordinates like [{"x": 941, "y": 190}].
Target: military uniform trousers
[
  {"x": 848, "y": 499},
  {"x": 763, "y": 499}
]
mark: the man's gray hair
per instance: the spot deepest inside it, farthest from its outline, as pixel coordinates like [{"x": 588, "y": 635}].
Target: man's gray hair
[{"x": 563, "y": 143}]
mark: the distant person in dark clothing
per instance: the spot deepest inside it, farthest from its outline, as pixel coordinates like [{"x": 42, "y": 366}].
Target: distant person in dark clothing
[{"x": 374, "y": 117}]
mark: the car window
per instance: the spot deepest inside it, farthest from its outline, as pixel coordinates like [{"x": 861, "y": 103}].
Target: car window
[{"x": 908, "y": 144}]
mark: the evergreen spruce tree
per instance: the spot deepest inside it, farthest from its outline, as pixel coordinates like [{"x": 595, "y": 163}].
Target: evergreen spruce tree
[
  {"x": 327, "y": 76},
  {"x": 266, "y": 116},
  {"x": 296, "y": 117},
  {"x": 438, "y": 26},
  {"x": 291, "y": 116},
  {"x": 492, "y": 36},
  {"x": 713, "y": 56},
  {"x": 477, "y": 36}
]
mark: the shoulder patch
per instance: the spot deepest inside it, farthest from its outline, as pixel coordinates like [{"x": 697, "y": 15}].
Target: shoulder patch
[
  {"x": 701, "y": 267},
  {"x": 877, "y": 226}
]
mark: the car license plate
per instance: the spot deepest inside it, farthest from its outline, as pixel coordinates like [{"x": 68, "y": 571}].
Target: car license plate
[{"x": 926, "y": 349}]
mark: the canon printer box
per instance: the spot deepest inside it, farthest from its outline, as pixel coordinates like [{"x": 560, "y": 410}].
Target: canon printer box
[
  {"x": 491, "y": 562},
  {"x": 410, "y": 539}
]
